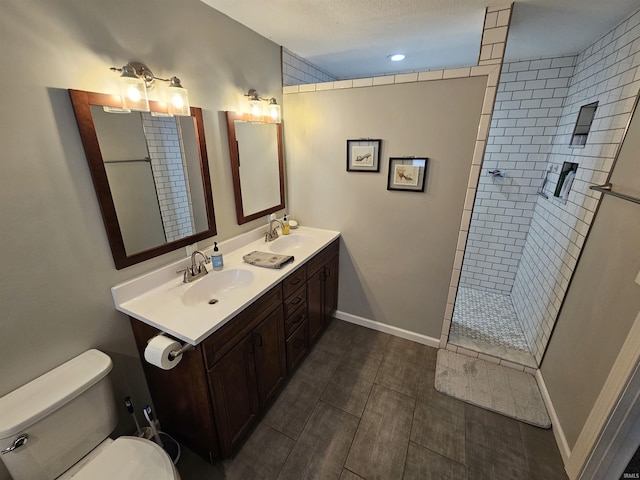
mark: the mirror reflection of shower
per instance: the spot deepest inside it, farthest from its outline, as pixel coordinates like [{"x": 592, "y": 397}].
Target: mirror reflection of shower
[{"x": 146, "y": 161}]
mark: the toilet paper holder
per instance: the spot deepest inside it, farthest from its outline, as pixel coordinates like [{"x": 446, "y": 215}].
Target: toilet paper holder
[{"x": 175, "y": 353}]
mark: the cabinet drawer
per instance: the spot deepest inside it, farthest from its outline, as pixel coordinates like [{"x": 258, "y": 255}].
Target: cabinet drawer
[
  {"x": 296, "y": 300},
  {"x": 294, "y": 281},
  {"x": 223, "y": 340},
  {"x": 322, "y": 258},
  {"x": 297, "y": 345},
  {"x": 296, "y": 318}
]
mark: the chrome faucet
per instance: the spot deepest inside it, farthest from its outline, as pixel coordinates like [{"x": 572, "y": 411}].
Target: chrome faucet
[
  {"x": 195, "y": 271},
  {"x": 272, "y": 232}
]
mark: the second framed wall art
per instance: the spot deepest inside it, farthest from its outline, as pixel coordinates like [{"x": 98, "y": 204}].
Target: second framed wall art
[{"x": 407, "y": 173}]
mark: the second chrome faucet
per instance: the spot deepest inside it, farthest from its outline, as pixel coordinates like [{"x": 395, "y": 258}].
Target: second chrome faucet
[{"x": 272, "y": 232}]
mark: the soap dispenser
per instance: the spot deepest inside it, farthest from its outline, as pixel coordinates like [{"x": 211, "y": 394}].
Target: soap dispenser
[
  {"x": 285, "y": 225},
  {"x": 216, "y": 258}
]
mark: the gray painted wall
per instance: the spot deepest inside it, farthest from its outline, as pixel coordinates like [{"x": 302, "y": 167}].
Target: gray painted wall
[
  {"x": 602, "y": 301},
  {"x": 398, "y": 247},
  {"x": 57, "y": 268}
]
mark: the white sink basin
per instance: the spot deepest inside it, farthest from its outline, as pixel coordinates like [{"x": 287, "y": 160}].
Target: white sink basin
[
  {"x": 215, "y": 284},
  {"x": 288, "y": 244}
]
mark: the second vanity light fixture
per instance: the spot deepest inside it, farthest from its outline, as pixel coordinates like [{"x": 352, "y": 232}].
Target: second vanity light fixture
[
  {"x": 271, "y": 112},
  {"x": 136, "y": 79}
]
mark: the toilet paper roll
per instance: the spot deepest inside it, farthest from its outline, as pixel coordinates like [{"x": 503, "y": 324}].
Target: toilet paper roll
[{"x": 158, "y": 350}]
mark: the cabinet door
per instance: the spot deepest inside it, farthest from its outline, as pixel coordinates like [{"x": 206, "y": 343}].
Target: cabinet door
[
  {"x": 331, "y": 288},
  {"x": 232, "y": 382},
  {"x": 315, "y": 303},
  {"x": 270, "y": 355}
]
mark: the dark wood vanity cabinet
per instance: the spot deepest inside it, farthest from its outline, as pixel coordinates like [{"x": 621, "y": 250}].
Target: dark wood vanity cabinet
[
  {"x": 246, "y": 379},
  {"x": 216, "y": 394},
  {"x": 322, "y": 288}
]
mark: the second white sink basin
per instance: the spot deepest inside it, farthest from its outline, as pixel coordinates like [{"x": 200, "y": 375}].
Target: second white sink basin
[
  {"x": 288, "y": 244},
  {"x": 217, "y": 283}
]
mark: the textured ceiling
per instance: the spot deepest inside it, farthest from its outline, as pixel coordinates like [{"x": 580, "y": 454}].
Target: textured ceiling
[{"x": 352, "y": 38}]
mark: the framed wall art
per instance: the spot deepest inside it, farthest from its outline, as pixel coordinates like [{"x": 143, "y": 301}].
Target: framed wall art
[
  {"x": 407, "y": 173},
  {"x": 363, "y": 155}
]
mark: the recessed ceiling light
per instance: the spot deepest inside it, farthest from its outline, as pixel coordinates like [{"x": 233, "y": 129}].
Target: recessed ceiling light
[{"x": 397, "y": 57}]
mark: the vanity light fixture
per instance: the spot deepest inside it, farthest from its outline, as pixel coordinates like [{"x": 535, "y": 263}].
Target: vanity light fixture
[
  {"x": 137, "y": 79},
  {"x": 271, "y": 113}
]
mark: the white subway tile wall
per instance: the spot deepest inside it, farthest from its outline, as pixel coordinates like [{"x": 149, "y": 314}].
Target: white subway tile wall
[
  {"x": 495, "y": 32},
  {"x": 164, "y": 141},
  {"x": 608, "y": 71},
  {"x": 298, "y": 71},
  {"x": 528, "y": 105}
]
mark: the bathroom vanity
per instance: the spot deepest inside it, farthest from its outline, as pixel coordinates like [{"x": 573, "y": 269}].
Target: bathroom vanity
[{"x": 240, "y": 360}]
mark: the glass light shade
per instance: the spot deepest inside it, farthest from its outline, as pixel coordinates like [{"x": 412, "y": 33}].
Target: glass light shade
[
  {"x": 178, "y": 101},
  {"x": 274, "y": 112},
  {"x": 133, "y": 93},
  {"x": 255, "y": 110}
]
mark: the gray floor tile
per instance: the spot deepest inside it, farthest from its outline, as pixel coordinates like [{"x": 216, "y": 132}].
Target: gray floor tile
[
  {"x": 493, "y": 453},
  {"x": 348, "y": 475},
  {"x": 424, "y": 464},
  {"x": 262, "y": 456},
  {"x": 402, "y": 366},
  {"x": 293, "y": 407},
  {"x": 323, "y": 446},
  {"x": 380, "y": 446},
  {"x": 543, "y": 458},
  {"x": 487, "y": 463},
  {"x": 493, "y": 422},
  {"x": 351, "y": 384},
  {"x": 318, "y": 367},
  {"x": 430, "y": 358},
  {"x": 192, "y": 467},
  {"x": 337, "y": 337},
  {"x": 439, "y": 425},
  {"x": 373, "y": 341}
]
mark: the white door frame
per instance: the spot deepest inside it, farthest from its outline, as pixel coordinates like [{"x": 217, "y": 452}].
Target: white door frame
[{"x": 611, "y": 433}]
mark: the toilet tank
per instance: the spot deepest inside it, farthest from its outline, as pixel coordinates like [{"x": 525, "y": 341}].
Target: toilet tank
[{"x": 66, "y": 412}]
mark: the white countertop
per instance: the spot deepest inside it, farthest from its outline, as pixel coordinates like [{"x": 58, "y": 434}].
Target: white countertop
[{"x": 161, "y": 299}]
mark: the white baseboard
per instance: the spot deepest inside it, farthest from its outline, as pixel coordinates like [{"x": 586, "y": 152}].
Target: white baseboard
[
  {"x": 561, "y": 440},
  {"x": 383, "y": 327}
]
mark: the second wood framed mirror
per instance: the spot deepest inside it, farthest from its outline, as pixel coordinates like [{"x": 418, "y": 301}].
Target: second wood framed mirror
[{"x": 257, "y": 167}]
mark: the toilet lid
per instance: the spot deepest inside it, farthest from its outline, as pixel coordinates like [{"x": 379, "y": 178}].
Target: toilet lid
[{"x": 129, "y": 458}]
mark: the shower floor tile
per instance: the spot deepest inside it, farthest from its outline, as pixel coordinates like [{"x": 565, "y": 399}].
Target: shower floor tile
[{"x": 486, "y": 322}]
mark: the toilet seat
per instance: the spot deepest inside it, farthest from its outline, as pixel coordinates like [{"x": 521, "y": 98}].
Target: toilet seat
[{"x": 130, "y": 458}]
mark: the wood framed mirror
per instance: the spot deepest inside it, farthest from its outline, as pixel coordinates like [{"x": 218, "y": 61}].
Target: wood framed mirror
[
  {"x": 257, "y": 166},
  {"x": 150, "y": 172}
]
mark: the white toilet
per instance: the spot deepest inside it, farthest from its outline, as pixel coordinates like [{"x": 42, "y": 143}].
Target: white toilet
[{"x": 68, "y": 414}]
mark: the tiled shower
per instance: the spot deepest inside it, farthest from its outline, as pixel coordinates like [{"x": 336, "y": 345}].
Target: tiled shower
[{"x": 524, "y": 242}]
